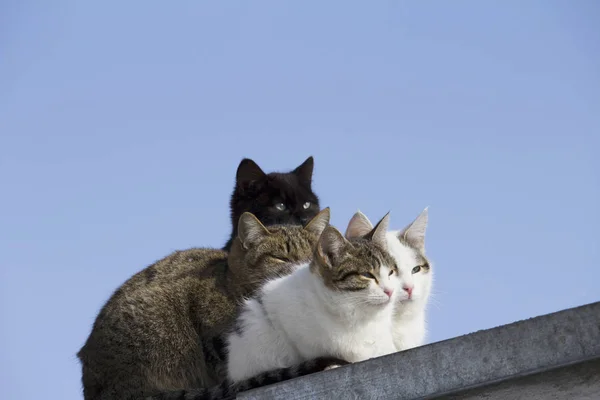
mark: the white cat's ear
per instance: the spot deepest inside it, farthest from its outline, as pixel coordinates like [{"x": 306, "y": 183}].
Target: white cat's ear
[
  {"x": 251, "y": 230},
  {"x": 358, "y": 226},
  {"x": 248, "y": 171},
  {"x": 319, "y": 222},
  {"x": 304, "y": 171},
  {"x": 331, "y": 246},
  {"x": 414, "y": 233},
  {"x": 378, "y": 233}
]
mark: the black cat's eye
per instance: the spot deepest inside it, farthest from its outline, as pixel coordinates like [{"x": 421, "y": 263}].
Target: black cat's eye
[
  {"x": 306, "y": 205},
  {"x": 416, "y": 269},
  {"x": 368, "y": 275},
  {"x": 280, "y": 206}
]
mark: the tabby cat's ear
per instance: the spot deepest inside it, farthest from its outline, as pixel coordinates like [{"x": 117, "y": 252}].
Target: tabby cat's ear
[
  {"x": 378, "y": 233},
  {"x": 358, "y": 226},
  {"x": 319, "y": 222},
  {"x": 305, "y": 171},
  {"x": 248, "y": 171},
  {"x": 414, "y": 233},
  {"x": 250, "y": 230},
  {"x": 331, "y": 246}
]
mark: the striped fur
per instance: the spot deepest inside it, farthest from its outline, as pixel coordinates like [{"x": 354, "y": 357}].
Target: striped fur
[
  {"x": 161, "y": 329},
  {"x": 227, "y": 390}
]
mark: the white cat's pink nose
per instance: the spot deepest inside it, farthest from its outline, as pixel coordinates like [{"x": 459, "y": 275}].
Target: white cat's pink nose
[
  {"x": 388, "y": 291},
  {"x": 408, "y": 289}
]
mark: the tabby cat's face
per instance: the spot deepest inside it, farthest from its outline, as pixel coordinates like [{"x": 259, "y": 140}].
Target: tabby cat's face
[
  {"x": 266, "y": 252},
  {"x": 361, "y": 271},
  {"x": 407, "y": 247}
]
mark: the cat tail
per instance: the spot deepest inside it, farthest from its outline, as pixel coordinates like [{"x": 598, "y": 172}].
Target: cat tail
[
  {"x": 283, "y": 374},
  {"x": 228, "y": 391}
]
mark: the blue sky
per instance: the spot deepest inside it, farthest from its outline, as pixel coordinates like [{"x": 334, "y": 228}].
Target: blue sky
[{"x": 122, "y": 124}]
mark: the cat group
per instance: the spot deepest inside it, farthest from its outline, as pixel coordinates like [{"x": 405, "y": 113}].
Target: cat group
[{"x": 288, "y": 295}]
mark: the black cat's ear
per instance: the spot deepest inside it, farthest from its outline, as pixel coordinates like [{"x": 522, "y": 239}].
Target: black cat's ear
[
  {"x": 378, "y": 233},
  {"x": 304, "y": 171},
  {"x": 248, "y": 171},
  {"x": 319, "y": 222},
  {"x": 414, "y": 233},
  {"x": 250, "y": 230},
  {"x": 331, "y": 246},
  {"x": 358, "y": 226}
]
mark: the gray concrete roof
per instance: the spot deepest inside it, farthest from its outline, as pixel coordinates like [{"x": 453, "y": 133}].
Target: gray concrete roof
[{"x": 555, "y": 356}]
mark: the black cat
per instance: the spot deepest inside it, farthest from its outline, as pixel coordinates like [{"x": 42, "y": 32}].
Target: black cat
[{"x": 274, "y": 198}]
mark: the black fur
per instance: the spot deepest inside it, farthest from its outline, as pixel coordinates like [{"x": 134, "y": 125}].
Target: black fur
[
  {"x": 227, "y": 390},
  {"x": 258, "y": 193}
]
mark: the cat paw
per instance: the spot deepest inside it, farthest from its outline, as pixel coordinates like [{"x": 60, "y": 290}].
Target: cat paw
[{"x": 327, "y": 363}]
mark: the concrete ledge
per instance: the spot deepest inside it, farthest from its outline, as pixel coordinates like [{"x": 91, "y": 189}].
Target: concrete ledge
[{"x": 551, "y": 356}]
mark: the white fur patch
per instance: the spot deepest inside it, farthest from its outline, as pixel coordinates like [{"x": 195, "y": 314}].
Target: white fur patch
[
  {"x": 305, "y": 320},
  {"x": 409, "y": 315}
]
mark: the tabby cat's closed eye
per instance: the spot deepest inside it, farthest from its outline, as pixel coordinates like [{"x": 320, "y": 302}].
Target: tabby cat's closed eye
[{"x": 367, "y": 275}]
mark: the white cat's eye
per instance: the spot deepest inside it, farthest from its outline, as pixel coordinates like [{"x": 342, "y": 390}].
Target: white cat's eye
[
  {"x": 306, "y": 205},
  {"x": 416, "y": 269},
  {"x": 280, "y": 206}
]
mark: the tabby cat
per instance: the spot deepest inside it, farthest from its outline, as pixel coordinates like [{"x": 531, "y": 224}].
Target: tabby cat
[
  {"x": 339, "y": 304},
  {"x": 161, "y": 329}
]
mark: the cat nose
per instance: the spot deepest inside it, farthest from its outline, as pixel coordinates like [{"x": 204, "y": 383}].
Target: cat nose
[
  {"x": 388, "y": 291},
  {"x": 303, "y": 220},
  {"x": 408, "y": 289}
]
